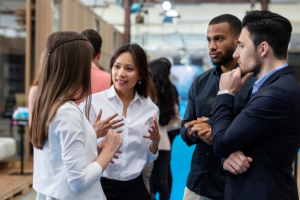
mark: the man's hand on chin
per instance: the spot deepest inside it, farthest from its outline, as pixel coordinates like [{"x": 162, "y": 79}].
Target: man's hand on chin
[{"x": 233, "y": 81}]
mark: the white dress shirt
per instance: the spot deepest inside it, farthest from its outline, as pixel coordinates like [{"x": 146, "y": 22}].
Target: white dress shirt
[
  {"x": 65, "y": 169},
  {"x": 135, "y": 148}
]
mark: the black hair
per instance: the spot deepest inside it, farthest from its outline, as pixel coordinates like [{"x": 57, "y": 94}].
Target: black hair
[
  {"x": 95, "y": 39},
  {"x": 267, "y": 26},
  {"x": 234, "y": 23},
  {"x": 164, "y": 91},
  {"x": 167, "y": 63}
]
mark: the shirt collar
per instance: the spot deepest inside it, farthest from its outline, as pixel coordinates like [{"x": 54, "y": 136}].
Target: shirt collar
[
  {"x": 94, "y": 65},
  {"x": 112, "y": 93},
  {"x": 260, "y": 81}
]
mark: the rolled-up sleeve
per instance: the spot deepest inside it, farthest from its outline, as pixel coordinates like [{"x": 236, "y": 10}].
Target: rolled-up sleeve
[{"x": 68, "y": 128}]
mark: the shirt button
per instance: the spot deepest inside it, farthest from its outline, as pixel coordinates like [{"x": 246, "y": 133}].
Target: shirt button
[
  {"x": 207, "y": 154},
  {"x": 205, "y": 171}
]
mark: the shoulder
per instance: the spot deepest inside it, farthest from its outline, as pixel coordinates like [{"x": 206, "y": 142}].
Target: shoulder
[
  {"x": 148, "y": 103},
  {"x": 100, "y": 73},
  {"x": 68, "y": 111},
  {"x": 203, "y": 77},
  {"x": 33, "y": 91}
]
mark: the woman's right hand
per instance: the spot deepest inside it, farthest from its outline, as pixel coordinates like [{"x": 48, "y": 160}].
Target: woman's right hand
[
  {"x": 102, "y": 126},
  {"x": 112, "y": 142}
]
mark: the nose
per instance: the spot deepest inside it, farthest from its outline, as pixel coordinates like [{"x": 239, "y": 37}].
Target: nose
[
  {"x": 236, "y": 54},
  {"x": 121, "y": 72},
  {"x": 212, "y": 45}
]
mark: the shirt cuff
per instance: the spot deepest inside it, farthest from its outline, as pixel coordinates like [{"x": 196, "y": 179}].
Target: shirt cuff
[{"x": 150, "y": 156}]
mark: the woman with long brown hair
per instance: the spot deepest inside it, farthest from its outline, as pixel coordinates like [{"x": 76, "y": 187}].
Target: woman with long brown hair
[
  {"x": 66, "y": 161},
  {"x": 129, "y": 98}
]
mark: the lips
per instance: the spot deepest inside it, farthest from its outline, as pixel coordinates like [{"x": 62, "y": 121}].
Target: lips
[
  {"x": 213, "y": 55},
  {"x": 121, "y": 82}
]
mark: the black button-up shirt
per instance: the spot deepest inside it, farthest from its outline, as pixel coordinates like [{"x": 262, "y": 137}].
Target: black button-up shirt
[{"x": 204, "y": 178}]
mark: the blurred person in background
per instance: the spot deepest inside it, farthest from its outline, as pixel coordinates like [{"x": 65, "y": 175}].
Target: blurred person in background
[
  {"x": 68, "y": 163},
  {"x": 168, "y": 108},
  {"x": 173, "y": 127},
  {"x": 100, "y": 79},
  {"x": 148, "y": 167},
  {"x": 204, "y": 181},
  {"x": 129, "y": 98},
  {"x": 34, "y": 89}
]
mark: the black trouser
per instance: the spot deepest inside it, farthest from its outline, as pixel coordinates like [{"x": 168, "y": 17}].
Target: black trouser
[
  {"x": 172, "y": 135},
  {"x": 126, "y": 190},
  {"x": 159, "y": 176}
]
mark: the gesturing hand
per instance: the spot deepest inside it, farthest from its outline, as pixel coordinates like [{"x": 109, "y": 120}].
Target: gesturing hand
[
  {"x": 102, "y": 126},
  {"x": 233, "y": 81},
  {"x": 237, "y": 163},
  {"x": 100, "y": 147},
  {"x": 154, "y": 132}
]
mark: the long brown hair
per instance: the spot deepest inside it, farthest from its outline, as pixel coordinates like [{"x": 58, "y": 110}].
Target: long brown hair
[
  {"x": 65, "y": 76},
  {"x": 140, "y": 59}
]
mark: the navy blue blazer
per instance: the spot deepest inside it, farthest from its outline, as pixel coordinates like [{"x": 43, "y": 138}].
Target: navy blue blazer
[{"x": 267, "y": 130}]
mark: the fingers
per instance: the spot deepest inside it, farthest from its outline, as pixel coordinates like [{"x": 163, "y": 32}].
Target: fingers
[
  {"x": 203, "y": 119},
  {"x": 99, "y": 116},
  {"x": 231, "y": 169},
  {"x": 155, "y": 121},
  {"x": 191, "y": 123},
  {"x": 250, "y": 160},
  {"x": 237, "y": 167},
  {"x": 244, "y": 160},
  {"x": 200, "y": 131},
  {"x": 117, "y": 126},
  {"x": 111, "y": 117}
]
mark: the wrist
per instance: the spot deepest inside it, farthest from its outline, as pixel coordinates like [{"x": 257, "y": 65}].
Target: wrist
[{"x": 224, "y": 91}]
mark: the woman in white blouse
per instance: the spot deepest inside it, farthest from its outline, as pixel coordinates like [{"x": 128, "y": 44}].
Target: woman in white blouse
[
  {"x": 67, "y": 164},
  {"x": 128, "y": 97}
]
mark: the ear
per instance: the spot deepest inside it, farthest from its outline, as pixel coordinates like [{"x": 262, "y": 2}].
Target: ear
[
  {"x": 264, "y": 49},
  {"x": 236, "y": 40},
  {"x": 98, "y": 55}
]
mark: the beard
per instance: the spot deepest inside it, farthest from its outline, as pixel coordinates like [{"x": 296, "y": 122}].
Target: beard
[
  {"x": 253, "y": 66},
  {"x": 225, "y": 58}
]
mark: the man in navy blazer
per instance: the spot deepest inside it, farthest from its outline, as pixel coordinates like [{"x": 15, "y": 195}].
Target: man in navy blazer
[{"x": 268, "y": 128}]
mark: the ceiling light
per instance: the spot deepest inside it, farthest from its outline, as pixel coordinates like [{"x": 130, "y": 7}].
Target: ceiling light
[
  {"x": 166, "y": 5},
  {"x": 172, "y": 13}
]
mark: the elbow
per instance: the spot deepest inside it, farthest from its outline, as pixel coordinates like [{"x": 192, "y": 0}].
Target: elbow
[{"x": 77, "y": 188}]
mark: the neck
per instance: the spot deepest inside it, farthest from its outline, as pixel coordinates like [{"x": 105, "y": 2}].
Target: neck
[
  {"x": 94, "y": 61},
  {"x": 228, "y": 66},
  {"x": 268, "y": 65},
  {"x": 125, "y": 96}
]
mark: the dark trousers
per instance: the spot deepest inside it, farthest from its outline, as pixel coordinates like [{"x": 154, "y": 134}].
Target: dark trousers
[
  {"x": 172, "y": 135},
  {"x": 126, "y": 190},
  {"x": 159, "y": 177}
]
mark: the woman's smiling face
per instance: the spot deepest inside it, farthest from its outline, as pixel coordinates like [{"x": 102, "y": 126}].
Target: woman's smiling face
[{"x": 125, "y": 73}]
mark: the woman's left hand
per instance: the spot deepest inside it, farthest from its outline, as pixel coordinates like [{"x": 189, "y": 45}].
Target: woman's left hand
[{"x": 154, "y": 132}]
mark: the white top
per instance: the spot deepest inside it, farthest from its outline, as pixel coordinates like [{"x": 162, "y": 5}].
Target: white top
[
  {"x": 64, "y": 169},
  {"x": 174, "y": 123},
  {"x": 135, "y": 148}
]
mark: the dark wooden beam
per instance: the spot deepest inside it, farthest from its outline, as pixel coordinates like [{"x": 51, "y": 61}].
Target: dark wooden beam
[{"x": 127, "y": 4}]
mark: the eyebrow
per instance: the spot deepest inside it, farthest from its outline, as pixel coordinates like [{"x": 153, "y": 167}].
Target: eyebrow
[
  {"x": 215, "y": 36},
  {"x": 125, "y": 64}
]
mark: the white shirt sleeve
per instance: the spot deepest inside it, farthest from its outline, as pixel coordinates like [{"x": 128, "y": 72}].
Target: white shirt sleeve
[
  {"x": 68, "y": 127},
  {"x": 150, "y": 156}
]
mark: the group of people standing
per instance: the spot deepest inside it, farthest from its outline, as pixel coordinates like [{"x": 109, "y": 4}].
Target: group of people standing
[{"x": 94, "y": 140}]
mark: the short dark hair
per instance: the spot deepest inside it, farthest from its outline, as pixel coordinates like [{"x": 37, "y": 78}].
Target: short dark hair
[
  {"x": 234, "y": 23},
  {"x": 270, "y": 27},
  {"x": 95, "y": 39},
  {"x": 140, "y": 59}
]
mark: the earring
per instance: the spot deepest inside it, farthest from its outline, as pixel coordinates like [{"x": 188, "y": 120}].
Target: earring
[{"x": 139, "y": 82}]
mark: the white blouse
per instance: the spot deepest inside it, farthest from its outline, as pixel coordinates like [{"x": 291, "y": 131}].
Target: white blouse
[
  {"x": 135, "y": 148},
  {"x": 65, "y": 167}
]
